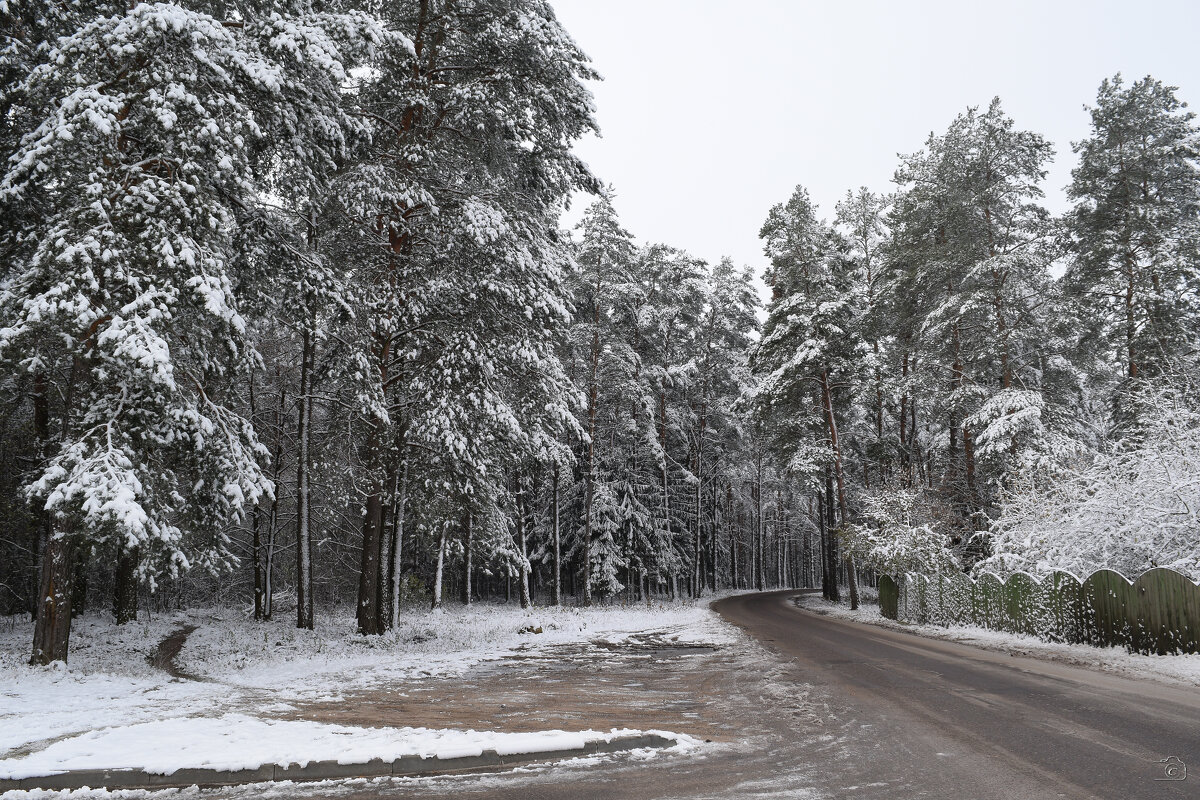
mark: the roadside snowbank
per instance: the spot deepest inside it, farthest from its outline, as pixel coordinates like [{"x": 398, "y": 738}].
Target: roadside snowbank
[
  {"x": 236, "y": 742},
  {"x": 1183, "y": 669}
]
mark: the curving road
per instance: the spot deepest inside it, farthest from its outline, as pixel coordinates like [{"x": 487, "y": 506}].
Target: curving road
[
  {"x": 958, "y": 721},
  {"x": 841, "y": 709}
]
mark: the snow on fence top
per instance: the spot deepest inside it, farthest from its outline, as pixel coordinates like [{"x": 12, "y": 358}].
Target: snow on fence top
[{"x": 1157, "y": 613}]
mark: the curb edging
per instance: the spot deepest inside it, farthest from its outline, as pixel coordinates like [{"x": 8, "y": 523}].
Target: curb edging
[{"x": 404, "y": 766}]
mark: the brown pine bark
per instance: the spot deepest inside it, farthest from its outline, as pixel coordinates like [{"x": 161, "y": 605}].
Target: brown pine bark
[
  {"x": 843, "y": 509},
  {"x": 370, "y": 573},
  {"x": 125, "y": 605},
  {"x": 52, "y": 631}
]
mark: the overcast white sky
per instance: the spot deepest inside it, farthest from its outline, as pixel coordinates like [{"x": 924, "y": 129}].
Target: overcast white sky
[{"x": 713, "y": 110}]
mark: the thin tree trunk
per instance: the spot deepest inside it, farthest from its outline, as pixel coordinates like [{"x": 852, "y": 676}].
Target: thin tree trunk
[
  {"x": 439, "y": 573},
  {"x": 467, "y": 543},
  {"x": 269, "y": 570},
  {"x": 398, "y": 543},
  {"x": 905, "y": 455},
  {"x": 590, "y": 475},
  {"x": 304, "y": 567},
  {"x": 525, "y": 599},
  {"x": 759, "y": 535},
  {"x": 697, "y": 574},
  {"x": 557, "y": 539},
  {"x": 256, "y": 554}
]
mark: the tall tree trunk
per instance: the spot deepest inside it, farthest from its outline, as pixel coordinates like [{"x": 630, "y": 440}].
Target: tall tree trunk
[
  {"x": 831, "y": 542},
  {"x": 52, "y": 631},
  {"x": 52, "y": 626},
  {"x": 386, "y": 533},
  {"x": 440, "y": 571},
  {"x": 467, "y": 544},
  {"x": 256, "y": 556},
  {"x": 370, "y": 569},
  {"x": 41, "y": 530},
  {"x": 524, "y": 588},
  {"x": 733, "y": 528},
  {"x": 715, "y": 531},
  {"x": 256, "y": 549},
  {"x": 556, "y": 536},
  {"x": 125, "y": 589},
  {"x": 304, "y": 567},
  {"x": 398, "y": 537},
  {"x": 1130, "y": 315},
  {"x": 696, "y": 571},
  {"x": 273, "y": 522},
  {"x": 665, "y": 487},
  {"x": 759, "y": 535},
  {"x": 590, "y": 475},
  {"x": 269, "y": 569},
  {"x": 843, "y": 509},
  {"x": 905, "y": 459}
]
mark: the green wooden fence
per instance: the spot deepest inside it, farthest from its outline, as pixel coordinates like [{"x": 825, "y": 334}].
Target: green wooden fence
[{"x": 1157, "y": 613}]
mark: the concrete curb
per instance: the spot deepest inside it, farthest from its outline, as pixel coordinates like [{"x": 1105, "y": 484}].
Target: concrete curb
[{"x": 405, "y": 766}]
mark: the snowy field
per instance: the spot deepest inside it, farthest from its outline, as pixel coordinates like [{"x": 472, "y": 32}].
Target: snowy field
[
  {"x": 111, "y": 708},
  {"x": 1183, "y": 669}
]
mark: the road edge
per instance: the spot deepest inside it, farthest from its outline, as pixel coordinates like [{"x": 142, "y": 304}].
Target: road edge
[{"x": 1029, "y": 650}]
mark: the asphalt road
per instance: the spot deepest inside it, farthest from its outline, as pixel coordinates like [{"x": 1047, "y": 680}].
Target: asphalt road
[
  {"x": 958, "y": 721},
  {"x": 838, "y": 709}
]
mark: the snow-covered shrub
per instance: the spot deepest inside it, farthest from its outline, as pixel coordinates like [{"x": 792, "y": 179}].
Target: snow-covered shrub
[
  {"x": 896, "y": 535},
  {"x": 1130, "y": 509}
]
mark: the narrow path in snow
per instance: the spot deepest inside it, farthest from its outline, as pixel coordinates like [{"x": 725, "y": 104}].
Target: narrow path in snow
[{"x": 168, "y": 649}]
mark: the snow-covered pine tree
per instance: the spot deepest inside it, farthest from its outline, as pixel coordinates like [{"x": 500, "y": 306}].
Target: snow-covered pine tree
[
  {"x": 862, "y": 220},
  {"x": 725, "y": 333},
  {"x": 603, "y": 292},
  {"x": 972, "y": 248},
  {"x": 1135, "y": 230},
  {"x": 127, "y": 306},
  {"x": 289, "y": 237},
  {"x": 674, "y": 285},
  {"x": 455, "y": 206},
  {"x": 811, "y": 349}
]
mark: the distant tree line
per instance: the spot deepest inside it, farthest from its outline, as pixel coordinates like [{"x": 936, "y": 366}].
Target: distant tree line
[{"x": 975, "y": 381}]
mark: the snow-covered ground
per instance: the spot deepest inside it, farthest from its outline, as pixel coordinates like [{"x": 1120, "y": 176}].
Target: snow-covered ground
[
  {"x": 110, "y": 700},
  {"x": 1183, "y": 669}
]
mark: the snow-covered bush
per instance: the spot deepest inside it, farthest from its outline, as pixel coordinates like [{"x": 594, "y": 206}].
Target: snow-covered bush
[
  {"x": 896, "y": 536},
  {"x": 1130, "y": 509}
]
